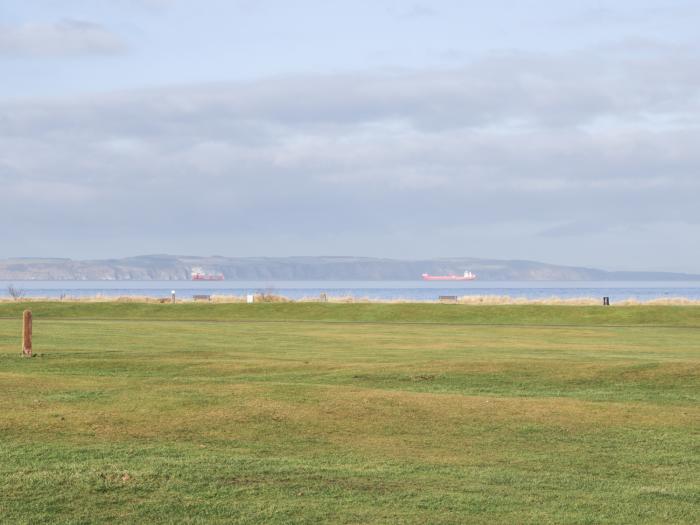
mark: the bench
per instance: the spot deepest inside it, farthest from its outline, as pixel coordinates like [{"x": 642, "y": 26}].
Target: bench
[
  {"x": 201, "y": 297},
  {"x": 447, "y": 298}
]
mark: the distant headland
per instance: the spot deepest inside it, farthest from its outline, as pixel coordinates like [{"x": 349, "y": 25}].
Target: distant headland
[{"x": 325, "y": 268}]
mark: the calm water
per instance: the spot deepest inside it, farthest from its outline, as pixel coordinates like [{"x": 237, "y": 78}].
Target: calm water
[{"x": 412, "y": 290}]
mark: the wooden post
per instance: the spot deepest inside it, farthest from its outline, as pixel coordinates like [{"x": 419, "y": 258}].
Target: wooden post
[{"x": 27, "y": 333}]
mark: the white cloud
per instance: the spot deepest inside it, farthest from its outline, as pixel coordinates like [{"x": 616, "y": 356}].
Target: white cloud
[{"x": 67, "y": 37}]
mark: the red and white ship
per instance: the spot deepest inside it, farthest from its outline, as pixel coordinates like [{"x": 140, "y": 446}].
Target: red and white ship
[
  {"x": 468, "y": 276},
  {"x": 200, "y": 275}
]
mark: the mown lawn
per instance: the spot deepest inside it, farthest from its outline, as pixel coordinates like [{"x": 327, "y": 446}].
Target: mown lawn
[{"x": 326, "y": 413}]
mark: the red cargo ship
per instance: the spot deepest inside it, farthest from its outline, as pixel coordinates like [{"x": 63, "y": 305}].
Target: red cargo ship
[
  {"x": 199, "y": 275},
  {"x": 468, "y": 276}
]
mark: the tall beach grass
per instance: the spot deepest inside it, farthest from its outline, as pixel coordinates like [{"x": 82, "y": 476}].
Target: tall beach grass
[{"x": 472, "y": 300}]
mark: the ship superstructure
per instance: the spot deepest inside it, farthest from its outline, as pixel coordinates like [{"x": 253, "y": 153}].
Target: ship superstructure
[
  {"x": 198, "y": 274},
  {"x": 468, "y": 276}
]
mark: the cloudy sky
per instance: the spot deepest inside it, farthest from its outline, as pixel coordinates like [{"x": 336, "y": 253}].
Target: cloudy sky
[{"x": 567, "y": 132}]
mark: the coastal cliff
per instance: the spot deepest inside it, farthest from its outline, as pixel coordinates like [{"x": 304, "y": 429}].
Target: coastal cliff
[{"x": 178, "y": 268}]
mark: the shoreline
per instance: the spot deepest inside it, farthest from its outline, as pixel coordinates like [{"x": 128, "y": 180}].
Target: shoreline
[{"x": 468, "y": 300}]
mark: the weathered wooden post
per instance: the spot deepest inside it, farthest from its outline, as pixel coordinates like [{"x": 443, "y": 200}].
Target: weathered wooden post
[{"x": 27, "y": 333}]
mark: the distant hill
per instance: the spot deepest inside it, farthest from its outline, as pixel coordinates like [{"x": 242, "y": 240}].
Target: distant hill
[{"x": 178, "y": 268}]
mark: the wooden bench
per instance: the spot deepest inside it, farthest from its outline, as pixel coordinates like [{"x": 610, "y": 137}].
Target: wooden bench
[
  {"x": 447, "y": 298},
  {"x": 201, "y": 298}
]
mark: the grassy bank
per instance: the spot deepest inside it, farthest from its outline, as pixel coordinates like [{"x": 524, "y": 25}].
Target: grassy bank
[
  {"x": 365, "y": 312},
  {"x": 358, "y": 413}
]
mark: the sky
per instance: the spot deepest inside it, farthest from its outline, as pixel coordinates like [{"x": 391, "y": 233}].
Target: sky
[{"x": 565, "y": 132}]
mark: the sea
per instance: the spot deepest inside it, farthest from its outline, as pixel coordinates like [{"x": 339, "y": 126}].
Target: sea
[{"x": 374, "y": 290}]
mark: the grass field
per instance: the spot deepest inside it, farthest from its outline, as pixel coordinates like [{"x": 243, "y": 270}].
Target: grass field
[{"x": 359, "y": 413}]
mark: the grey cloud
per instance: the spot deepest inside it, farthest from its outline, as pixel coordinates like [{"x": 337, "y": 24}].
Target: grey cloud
[
  {"x": 599, "y": 15},
  {"x": 527, "y": 139},
  {"x": 577, "y": 229},
  {"x": 157, "y": 4},
  {"x": 415, "y": 11},
  {"x": 603, "y": 15},
  {"x": 64, "y": 38},
  {"x": 508, "y": 90}
]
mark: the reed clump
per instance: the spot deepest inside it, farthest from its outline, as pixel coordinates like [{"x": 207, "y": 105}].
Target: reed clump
[
  {"x": 492, "y": 300},
  {"x": 265, "y": 297},
  {"x": 227, "y": 299}
]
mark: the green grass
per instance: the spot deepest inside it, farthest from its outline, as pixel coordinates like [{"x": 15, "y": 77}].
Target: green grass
[{"x": 357, "y": 413}]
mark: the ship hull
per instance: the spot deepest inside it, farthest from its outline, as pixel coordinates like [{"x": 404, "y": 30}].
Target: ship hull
[{"x": 447, "y": 278}]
